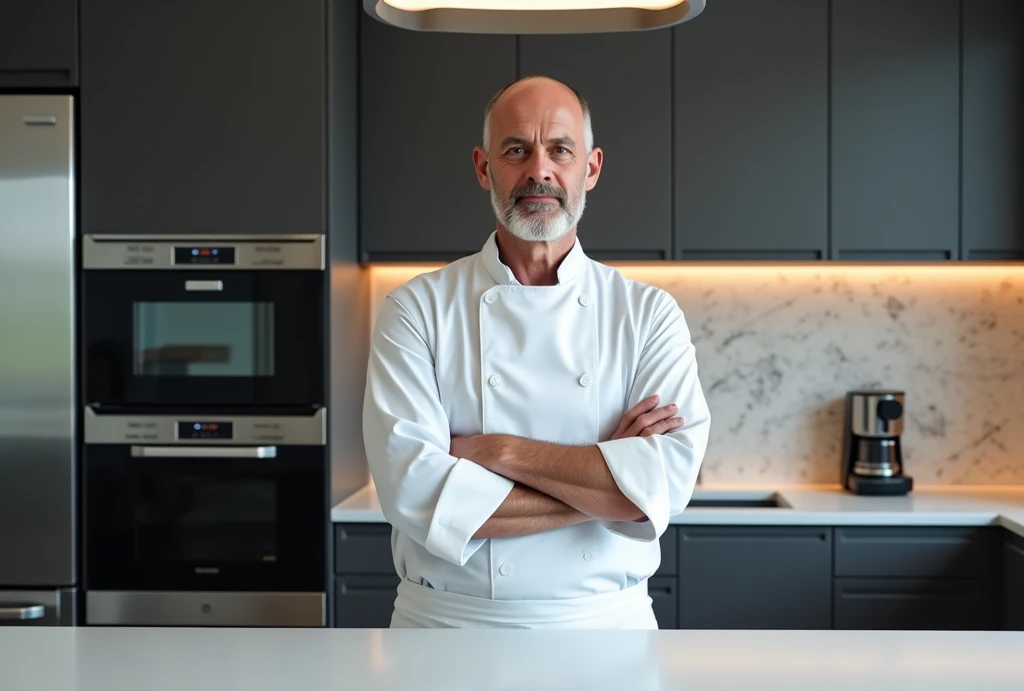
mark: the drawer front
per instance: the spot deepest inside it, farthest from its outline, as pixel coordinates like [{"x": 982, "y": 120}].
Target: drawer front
[
  {"x": 364, "y": 602},
  {"x": 912, "y": 603},
  {"x": 664, "y": 601},
  {"x": 910, "y": 552},
  {"x": 363, "y": 548},
  {"x": 669, "y": 540}
]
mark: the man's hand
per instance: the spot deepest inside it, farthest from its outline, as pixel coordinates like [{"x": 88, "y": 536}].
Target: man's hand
[{"x": 644, "y": 419}]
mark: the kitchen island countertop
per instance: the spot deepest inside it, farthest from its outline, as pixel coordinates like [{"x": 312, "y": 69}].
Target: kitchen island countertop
[
  {"x": 164, "y": 659},
  {"x": 811, "y": 505}
]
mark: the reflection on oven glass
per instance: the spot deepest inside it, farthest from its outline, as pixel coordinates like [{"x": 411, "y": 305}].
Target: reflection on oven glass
[
  {"x": 189, "y": 518},
  {"x": 218, "y": 339}
]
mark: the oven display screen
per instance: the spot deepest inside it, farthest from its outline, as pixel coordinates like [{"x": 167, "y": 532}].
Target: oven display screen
[
  {"x": 204, "y": 255},
  {"x": 205, "y": 430}
]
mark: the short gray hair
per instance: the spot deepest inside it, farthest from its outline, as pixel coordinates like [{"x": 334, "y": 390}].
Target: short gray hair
[{"x": 588, "y": 128}]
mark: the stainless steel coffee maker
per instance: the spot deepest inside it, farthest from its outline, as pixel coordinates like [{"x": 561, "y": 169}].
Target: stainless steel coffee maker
[{"x": 872, "y": 456}]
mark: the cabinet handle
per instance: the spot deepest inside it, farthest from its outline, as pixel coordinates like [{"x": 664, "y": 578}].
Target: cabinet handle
[
  {"x": 32, "y": 120},
  {"x": 204, "y": 285},
  {"x": 21, "y": 612}
]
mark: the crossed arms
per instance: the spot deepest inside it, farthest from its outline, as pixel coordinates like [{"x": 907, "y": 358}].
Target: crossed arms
[{"x": 451, "y": 494}]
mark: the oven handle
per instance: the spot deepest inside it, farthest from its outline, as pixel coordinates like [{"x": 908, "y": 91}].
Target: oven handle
[
  {"x": 204, "y": 452},
  {"x": 22, "y": 612}
]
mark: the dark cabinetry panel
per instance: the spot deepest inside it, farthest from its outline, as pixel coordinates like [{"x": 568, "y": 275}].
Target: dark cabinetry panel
[
  {"x": 38, "y": 43},
  {"x": 1013, "y": 583},
  {"x": 763, "y": 577},
  {"x": 422, "y": 99},
  {"x": 626, "y": 79},
  {"x": 993, "y": 129},
  {"x": 910, "y": 552},
  {"x": 895, "y": 129},
  {"x": 912, "y": 603},
  {"x": 751, "y": 131},
  {"x": 364, "y": 602},
  {"x": 203, "y": 117}
]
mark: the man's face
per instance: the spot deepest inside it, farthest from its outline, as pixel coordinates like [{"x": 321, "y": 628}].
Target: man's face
[{"x": 537, "y": 168}]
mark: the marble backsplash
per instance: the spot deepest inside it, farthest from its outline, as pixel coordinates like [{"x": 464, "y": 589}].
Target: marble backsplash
[{"x": 779, "y": 346}]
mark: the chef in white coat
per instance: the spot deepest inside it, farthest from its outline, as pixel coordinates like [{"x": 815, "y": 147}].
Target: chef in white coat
[{"x": 532, "y": 418}]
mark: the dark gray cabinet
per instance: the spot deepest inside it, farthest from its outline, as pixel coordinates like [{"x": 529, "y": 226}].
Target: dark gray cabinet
[
  {"x": 751, "y": 131},
  {"x": 993, "y": 133},
  {"x": 38, "y": 43},
  {"x": 364, "y": 602},
  {"x": 203, "y": 117},
  {"x": 895, "y": 129},
  {"x": 916, "y": 578},
  {"x": 755, "y": 577},
  {"x": 627, "y": 81},
  {"x": 1013, "y": 583},
  {"x": 422, "y": 99}
]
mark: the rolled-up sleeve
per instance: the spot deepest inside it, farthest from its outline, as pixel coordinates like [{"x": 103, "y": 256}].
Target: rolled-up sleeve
[
  {"x": 438, "y": 500},
  {"x": 658, "y": 473}
]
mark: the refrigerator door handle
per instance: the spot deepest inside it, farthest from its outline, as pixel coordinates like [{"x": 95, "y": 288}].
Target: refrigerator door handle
[{"x": 21, "y": 612}]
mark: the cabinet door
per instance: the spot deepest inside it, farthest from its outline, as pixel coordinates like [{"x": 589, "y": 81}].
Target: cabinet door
[
  {"x": 770, "y": 577},
  {"x": 751, "y": 131},
  {"x": 363, "y": 548},
  {"x": 627, "y": 81},
  {"x": 38, "y": 43},
  {"x": 664, "y": 601},
  {"x": 912, "y": 604},
  {"x": 203, "y": 116},
  {"x": 993, "y": 136},
  {"x": 364, "y": 602},
  {"x": 422, "y": 97},
  {"x": 1013, "y": 583},
  {"x": 895, "y": 129}
]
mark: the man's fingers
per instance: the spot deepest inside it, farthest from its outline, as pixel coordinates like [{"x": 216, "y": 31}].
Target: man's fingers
[
  {"x": 647, "y": 419},
  {"x": 669, "y": 425},
  {"x": 633, "y": 413}
]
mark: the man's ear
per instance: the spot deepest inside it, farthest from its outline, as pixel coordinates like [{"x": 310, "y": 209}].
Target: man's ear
[
  {"x": 480, "y": 163},
  {"x": 594, "y": 162}
]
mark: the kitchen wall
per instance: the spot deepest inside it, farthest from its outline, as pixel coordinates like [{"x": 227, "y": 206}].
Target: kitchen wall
[{"x": 778, "y": 347}]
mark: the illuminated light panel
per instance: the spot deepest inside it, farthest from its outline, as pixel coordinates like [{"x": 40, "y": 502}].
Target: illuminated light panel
[{"x": 533, "y": 16}]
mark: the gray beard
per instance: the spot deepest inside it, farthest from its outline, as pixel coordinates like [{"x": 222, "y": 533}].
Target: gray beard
[{"x": 537, "y": 222}]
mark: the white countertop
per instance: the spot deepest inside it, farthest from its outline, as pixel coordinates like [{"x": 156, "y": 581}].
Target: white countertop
[
  {"x": 812, "y": 505},
  {"x": 161, "y": 659}
]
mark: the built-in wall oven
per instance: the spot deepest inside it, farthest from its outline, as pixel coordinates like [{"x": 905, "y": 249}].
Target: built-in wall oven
[{"x": 206, "y": 477}]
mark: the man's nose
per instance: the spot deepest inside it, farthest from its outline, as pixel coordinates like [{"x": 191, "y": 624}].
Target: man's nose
[{"x": 539, "y": 169}]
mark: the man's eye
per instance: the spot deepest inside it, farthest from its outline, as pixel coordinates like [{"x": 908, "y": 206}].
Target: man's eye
[{"x": 516, "y": 150}]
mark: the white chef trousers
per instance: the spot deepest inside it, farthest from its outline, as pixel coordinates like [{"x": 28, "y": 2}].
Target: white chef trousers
[{"x": 418, "y": 606}]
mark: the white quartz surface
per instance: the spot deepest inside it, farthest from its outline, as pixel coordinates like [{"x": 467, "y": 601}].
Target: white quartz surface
[
  {"x": 159, "y": 659},
  {"x": 826, "y": 505}
]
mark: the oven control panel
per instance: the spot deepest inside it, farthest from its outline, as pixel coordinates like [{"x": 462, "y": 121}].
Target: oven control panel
[
  {"x": 191, "y": 256},
  {"x": 184, "y": 430},
  {"x": 223, "y": 252},
  {"x": 206, "y": 430}
]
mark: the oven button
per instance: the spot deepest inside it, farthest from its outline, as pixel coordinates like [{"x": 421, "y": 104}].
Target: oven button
[{"x": 206, "y": 608}]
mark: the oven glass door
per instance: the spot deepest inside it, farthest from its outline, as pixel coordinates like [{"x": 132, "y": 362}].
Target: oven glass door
[
  {"x": 181, "y": 338},
  {"x": 208, "y": 519}
]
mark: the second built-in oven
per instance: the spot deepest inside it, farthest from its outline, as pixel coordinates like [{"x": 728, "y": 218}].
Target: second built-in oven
[
  {"x": 205, "y": 520},
  {"x": 230, "y": 321}
]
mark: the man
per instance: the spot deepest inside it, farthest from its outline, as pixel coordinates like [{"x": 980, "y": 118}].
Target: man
[{"x": 512, "y": 417}]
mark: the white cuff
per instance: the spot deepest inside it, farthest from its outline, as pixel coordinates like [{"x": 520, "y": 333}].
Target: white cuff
[
  {"x": 470, "y": 496},
  {"x": 640, "y": 475}
]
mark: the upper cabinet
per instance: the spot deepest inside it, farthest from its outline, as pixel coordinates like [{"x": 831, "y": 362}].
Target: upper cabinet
[
  {"x": 751, "y": 131},
  {"x": 204, "y": 117},
  {"x": 38, "y": 43},
  {"x": 993, "y": 129},
  {"x": 422, "y": 99},
  {"x": 895, "y": 129},
  {"x": 627, "y": 81}
]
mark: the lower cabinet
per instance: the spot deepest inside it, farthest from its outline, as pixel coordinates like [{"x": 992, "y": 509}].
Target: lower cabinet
[
  {"x": 755, "y": 577},
  {"x": 939, "y": 578},
  {"x": 364, "y": 602},
  {"x": 1013, "y": 583}
]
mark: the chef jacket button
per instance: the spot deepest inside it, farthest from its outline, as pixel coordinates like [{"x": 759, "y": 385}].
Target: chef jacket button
[
  {"x": 505, "y": 569},
  {"x": 584, "y": 300},
  {"x": 490, "y": 297},
  {"x": 494, "y": 380},
  {"x": 587, "y": 556},
  {"x": 585, "y": 380}
]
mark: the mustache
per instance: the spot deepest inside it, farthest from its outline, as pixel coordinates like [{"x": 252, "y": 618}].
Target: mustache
[{"x": 538, "y": 190}]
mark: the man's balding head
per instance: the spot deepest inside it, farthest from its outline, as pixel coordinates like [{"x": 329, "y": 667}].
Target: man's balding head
[{"x": 546, "y": 84}]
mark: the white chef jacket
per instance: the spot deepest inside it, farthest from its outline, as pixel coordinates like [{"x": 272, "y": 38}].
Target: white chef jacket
[{"x": 468, "y": 350}]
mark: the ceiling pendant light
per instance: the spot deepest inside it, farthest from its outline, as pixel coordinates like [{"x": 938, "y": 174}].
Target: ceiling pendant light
[{"x": 533, "y": 16}]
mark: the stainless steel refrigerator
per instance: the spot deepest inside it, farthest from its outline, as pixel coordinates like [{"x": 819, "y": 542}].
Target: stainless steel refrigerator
[{"x": 38, "y": 553}]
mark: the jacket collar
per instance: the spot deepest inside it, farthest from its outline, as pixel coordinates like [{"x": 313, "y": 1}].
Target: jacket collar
[{"x": 567, "y": 270}]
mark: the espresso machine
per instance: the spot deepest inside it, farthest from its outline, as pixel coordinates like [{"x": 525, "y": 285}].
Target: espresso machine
[{"x": 872, "y": 457}]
